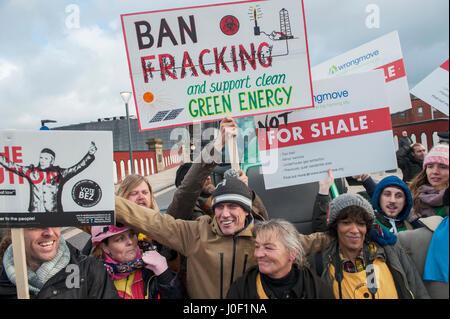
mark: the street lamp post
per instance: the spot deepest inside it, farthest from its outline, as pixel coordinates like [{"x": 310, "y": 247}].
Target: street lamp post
[{"x": 126, "y": 97}]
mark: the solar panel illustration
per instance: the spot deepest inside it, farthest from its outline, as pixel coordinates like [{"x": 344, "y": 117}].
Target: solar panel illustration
[
  {"x": 159, "y": 116},
  {"x": 166, "y": 115},
  {"x": 173, "y": 114}
]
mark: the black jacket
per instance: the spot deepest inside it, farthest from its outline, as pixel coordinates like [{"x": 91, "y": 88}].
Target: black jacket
[
  {"x": 410, "y": 165},
  {"x": 167, "y": 285},
  {"x": 93, "y": 283},
  {"x": 309, "y": 286}
]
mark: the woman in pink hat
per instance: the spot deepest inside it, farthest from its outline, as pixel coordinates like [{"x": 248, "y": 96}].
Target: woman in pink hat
[
  {"x": 429, "y": 185},
  {"x": 135, "y": 275}
]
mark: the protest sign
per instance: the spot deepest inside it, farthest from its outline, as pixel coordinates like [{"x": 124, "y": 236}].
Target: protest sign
[
  {"x": 203, "y": 63},
  {"x": 383, "y": 53},
  {"x": 56, "y": 178},
  {"x": 20, "y": 264},
  {"x": 434, "y": 89},
  {"x": 349, "y": 131}
]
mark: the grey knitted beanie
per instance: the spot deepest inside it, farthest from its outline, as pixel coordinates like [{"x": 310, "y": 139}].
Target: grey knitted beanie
[
  {"x": 346, "y": 200},
  {"x": 232, "y": 190}
]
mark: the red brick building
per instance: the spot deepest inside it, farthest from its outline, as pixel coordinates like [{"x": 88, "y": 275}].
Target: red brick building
[{"x": 422, "y": 123}]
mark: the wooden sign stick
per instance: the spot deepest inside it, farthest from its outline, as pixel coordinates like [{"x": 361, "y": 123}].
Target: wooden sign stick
[
  {"x": 20, "y": 263},
  {"x": 231, "y": 139}
]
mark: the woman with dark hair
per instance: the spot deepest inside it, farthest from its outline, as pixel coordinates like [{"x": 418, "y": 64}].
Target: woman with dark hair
[{"x": 357, "y": 268}]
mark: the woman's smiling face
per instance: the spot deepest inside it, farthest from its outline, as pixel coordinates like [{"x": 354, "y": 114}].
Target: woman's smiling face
[{"x": 272, "y": 255}]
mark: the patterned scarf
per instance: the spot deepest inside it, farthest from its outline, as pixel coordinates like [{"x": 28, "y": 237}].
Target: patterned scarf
[
  {"x": 205, "y": 204},
  {"x": 118, "y": 270},
  {"x": 360, "y": 263},
  {"x": 47, "y": 270}
]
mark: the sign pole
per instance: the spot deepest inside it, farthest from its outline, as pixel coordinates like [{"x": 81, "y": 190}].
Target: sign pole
[
  {"x": 20, "y": 264},
  {"x": 231, "y": 139}
]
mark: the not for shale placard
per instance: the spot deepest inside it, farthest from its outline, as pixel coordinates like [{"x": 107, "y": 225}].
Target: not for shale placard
[
  {"x": 349, "y": 131},
  {"x": 203, "y": 63}
]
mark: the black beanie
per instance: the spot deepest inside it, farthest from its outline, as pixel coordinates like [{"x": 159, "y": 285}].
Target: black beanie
[
  {"x": 181, "y": 173},
  {"x": 49, "y": 151},
  {"x": 232, "y": 190}
]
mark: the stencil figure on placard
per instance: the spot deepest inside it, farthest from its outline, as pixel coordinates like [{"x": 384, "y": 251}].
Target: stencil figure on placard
[{"x": 47, "y": 180}]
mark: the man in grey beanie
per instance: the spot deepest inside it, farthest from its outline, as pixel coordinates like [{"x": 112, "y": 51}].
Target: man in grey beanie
[
  {"x": 357, "y": 268},
  {"x": 232, "y": 204}
]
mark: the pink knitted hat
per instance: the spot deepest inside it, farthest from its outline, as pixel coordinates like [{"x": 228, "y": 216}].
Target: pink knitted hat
[{"x": 438, "y": 154}]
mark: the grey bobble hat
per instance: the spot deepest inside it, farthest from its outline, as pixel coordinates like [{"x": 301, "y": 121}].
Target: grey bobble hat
[
  {"x": 232, "y": 190},
  {"x": 346, "y": 200}
]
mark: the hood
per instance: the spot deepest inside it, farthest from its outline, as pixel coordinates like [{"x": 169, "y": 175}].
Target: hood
[{"x": 392, "y": 181}]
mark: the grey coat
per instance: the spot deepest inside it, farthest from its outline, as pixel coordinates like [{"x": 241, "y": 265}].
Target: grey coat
[{"x": 416, "y": 243}]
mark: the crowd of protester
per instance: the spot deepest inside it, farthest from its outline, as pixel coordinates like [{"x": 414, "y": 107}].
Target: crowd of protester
[{"x": 218, "y": 241}]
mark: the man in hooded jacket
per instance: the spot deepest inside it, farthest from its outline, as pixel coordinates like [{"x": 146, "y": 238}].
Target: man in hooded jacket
[
  {"x": 392, "y": 201},
  {"x": 390, "y": 198}
]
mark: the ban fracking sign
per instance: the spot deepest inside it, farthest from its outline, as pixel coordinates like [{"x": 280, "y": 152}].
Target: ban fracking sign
[
  {"x": 349, "y": 130},
  {"x": 56, "y": 178},
  {"x": 203, "y": 63}
]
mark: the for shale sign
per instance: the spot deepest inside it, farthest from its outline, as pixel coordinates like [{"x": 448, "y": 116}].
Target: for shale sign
[
  {"x": 203, "y": 63},
  {"x": 56, "y": 178},
  {"x": 348, "y": 131}
]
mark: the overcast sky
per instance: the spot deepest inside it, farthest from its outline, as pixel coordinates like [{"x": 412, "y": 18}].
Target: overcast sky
[{"x": 55, "y": 66}]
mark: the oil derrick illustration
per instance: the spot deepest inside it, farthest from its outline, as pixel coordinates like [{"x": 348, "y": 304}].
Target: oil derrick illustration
[
  {"x": 285, "y": 25},
  {"x": 285, "y": 32}
]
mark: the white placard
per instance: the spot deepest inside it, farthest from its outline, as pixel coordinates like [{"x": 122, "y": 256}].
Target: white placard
[
  {"x": 349, "y": 131},
  {"x": 382, "y": 53},
  {"x": 56, "y": 178},
  {"x": 434, "y": 88},
  {"x": 203, "y": 63}
]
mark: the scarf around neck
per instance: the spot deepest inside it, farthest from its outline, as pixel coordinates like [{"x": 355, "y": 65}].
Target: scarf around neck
[
  {"x": 392, "y": 224},
  {"x": 117, "y": 270},
  {"x": 431, "y": 199},
  {"x": 47, "y": 270}
]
